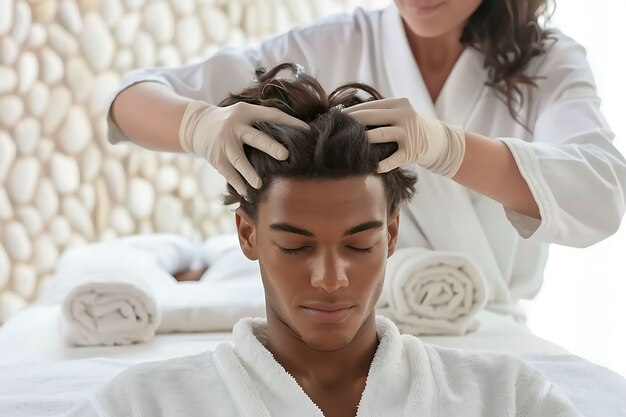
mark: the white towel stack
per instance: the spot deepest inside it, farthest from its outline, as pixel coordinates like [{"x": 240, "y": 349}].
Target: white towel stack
[
  {"x": 123, "y": 291},
  {"x": 432, "y": 292}
]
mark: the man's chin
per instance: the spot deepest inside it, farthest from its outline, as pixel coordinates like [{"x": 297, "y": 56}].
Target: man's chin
[{"x": 327, "y": 336}]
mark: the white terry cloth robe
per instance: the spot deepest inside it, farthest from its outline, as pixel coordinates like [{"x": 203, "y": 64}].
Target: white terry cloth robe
[
  {"x": 576, "y": 175},
  {"x": 406, "y": 378}
]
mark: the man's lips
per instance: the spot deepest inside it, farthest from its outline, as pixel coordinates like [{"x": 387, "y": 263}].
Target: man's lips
[
  {"x": 328, "y": 307},
  {"x": 328, "y": 313}
]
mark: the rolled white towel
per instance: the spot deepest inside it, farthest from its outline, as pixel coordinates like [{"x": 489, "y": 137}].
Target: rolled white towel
[
  {"x": 122, "y": 291},
  {"x": 116, "y": 307},
  {"x": 110, "y": 291},
  {"x": 432, "y": 292}
]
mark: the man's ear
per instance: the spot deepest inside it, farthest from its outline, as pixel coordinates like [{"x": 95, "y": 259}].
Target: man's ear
[
  {"x": 393, "y": 222},
  {"x": 246, "y": 230}
]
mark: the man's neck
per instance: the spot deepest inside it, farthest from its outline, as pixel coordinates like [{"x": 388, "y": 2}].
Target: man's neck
[{"x": 322, "y": 369}]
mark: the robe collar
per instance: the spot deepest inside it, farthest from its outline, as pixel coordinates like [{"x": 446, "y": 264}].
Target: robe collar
[
  {"x": 461, "y": 91},
  {"x": 399, "y": 381}
]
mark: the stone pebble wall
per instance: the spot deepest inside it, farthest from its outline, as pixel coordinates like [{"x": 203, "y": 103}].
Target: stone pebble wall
[{"x": 61, "y": 183}]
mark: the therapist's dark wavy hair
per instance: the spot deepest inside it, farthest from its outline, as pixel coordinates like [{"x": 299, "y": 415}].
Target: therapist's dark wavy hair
[
  {"x": 334, "y": 147},
  {"x": 508, "y": 34}
]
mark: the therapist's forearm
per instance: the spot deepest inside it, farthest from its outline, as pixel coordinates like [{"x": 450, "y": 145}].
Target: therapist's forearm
[
  {"x": 149, "y": 114},
  {"x": 490, "y": 169}
]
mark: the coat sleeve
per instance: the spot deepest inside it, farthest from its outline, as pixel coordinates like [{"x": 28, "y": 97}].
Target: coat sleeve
[
  {"x": 577, "y": 176},
  {"x": 316, "y": 46}
]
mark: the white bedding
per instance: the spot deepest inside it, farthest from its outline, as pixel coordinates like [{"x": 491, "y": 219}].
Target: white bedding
[
  {"x": 41, "y": 376},
  {"x": 33, "y": 337}
]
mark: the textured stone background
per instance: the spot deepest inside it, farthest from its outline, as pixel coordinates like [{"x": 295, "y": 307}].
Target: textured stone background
[{"x": 61, "y": 183}]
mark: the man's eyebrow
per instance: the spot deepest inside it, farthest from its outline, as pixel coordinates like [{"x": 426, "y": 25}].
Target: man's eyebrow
[
  {"x": 374, "y": 224},
  {"x": 286, "y": 227}
]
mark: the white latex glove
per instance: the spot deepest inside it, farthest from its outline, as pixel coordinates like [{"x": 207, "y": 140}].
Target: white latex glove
[
  {"x": 219, "y": 133},
  {"x": 435, "y": 145}
]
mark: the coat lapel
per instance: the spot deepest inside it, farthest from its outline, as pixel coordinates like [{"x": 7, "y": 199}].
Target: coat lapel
[
  {"x": 403, "y": 74},
  {"x": 261, "y": 387},
  {"x": 462, "y": 90},
  {"x": 442, "y": 210},
  {"x": 400, "y": 381}
]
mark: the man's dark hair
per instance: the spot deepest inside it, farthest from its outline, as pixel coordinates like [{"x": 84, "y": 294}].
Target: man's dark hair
[{"x": 335, "y": 147}]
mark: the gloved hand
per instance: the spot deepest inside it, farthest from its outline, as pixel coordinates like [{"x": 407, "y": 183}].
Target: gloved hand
[
  {"x": 219, "y": 133},
  {"x": 435, "y": 145}
]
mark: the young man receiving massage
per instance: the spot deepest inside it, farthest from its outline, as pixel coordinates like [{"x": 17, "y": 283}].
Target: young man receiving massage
[{"x": 322, "y": 227}]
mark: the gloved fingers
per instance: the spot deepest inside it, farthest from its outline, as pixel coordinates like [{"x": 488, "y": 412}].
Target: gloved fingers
[
  {"x": 233, "y": 178},
  {"x": 274, "y": 115},
  {"x": 239, "y": 161},
  {"x": 386, "y": 103},
  {"x": 397, "y": 159},
  {"x": 377, "y": 117},
  {"x": 263, "y": 142},
  {"x": 386, "y": 134}
]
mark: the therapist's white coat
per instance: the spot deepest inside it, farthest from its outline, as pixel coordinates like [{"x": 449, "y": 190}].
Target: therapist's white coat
[{"x": 576, "y": 175}]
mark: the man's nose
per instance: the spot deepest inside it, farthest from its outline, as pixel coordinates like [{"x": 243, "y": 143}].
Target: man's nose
[{"x": 328, "y": 271}]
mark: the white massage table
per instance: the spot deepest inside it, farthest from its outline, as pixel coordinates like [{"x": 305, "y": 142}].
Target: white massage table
[{"x": 41, "y": 376}]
